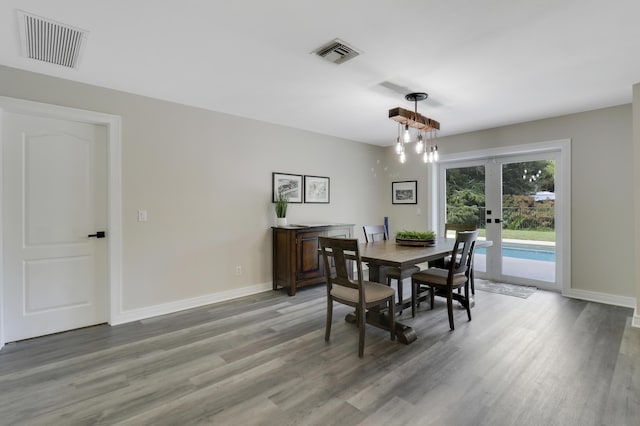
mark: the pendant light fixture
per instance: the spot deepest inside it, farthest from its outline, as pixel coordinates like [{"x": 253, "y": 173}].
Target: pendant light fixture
[{"x": 413, "y": 120}]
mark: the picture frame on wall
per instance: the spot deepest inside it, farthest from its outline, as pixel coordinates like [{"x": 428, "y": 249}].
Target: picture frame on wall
[
  {"x": 316, "y": 189},
  {"x": 288, "y": 184},
  {"x": 404, "y": 192}
]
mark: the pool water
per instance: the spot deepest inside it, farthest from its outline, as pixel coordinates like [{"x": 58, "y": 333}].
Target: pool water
[{"x": 546, "y": 254}]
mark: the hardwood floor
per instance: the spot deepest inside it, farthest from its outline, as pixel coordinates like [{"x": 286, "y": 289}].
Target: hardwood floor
[{"x": 262, "y": 360}]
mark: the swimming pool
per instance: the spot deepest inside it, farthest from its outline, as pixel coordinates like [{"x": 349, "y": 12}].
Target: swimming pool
[{"x": 526, "y": 251}]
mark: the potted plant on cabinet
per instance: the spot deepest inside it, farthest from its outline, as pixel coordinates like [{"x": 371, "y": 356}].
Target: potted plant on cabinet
[{"x": 281, "y": 209}]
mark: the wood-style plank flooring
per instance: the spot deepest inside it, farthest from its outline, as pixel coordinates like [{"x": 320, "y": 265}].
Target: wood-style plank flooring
[{"x": 262, "y": 360}]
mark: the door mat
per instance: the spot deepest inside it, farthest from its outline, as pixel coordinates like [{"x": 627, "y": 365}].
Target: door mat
[{"x": 520, "y": 291}]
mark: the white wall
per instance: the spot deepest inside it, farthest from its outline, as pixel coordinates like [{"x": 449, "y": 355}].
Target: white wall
[
  {"x": 602, "y": 189},
  {"x": 205, "y": 180}
]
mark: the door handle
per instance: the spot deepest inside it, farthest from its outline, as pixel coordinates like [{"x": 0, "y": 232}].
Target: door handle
[
  {"x": 497, "y": 220},
  {"x": 98, "y": 234}
]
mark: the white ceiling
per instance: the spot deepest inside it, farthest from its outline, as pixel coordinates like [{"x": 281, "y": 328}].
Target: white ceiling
[{"x": 484, "y": 63}]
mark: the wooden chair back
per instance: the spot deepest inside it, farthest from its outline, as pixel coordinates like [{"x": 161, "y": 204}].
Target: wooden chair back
[
  {"x": 458, "y": 227},
  {"x": 463, "y": 252},
  {"x": 375, "y": 233},
  {"x": 341, "y": 250}
]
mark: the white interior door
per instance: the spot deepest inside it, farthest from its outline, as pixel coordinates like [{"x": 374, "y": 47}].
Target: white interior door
[{"x": 54, "y": 197}]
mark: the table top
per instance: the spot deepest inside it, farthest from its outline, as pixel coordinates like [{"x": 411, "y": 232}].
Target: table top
[{"x": 391, "y": 254}]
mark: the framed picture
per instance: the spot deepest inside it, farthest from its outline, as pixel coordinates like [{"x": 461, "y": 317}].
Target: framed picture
[
  {"x": 316, "y": 189},
  {"x": 287, "y": 184},
  {"x": 405, "y": 192}
]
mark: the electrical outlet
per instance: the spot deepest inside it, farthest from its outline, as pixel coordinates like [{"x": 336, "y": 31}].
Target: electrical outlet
[
  {"x": 142, "y": 215},
  {"x": 238, "y": 270}
]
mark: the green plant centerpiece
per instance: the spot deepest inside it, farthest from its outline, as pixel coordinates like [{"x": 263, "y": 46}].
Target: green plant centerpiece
[{"x": 415, "y": 238}]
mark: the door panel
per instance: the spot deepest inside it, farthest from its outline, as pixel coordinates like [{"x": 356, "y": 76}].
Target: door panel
[
  {"x": 57, "y": 283},
  {"x": 54, "y": 196},
  {"x": 466, "y": 201},
  {"x": 528, "y": 219},
  {"x": 57, "y": 194}
]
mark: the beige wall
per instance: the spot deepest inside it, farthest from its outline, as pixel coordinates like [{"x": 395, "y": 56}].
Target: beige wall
[
  {"x": 602, "y": 172},
  {"x": 205, "y": 180},
  {"x": 405, "y": 216}
]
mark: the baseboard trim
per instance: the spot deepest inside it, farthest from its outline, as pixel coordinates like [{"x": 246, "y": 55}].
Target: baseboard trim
[
  {"x": 181, "y": 305},
  {"x": 635, "y": 322},
  {"x": 594, "y": 296}
]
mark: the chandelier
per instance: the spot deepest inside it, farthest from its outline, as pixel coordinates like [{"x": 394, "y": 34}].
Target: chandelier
[{"x": 425, "y": 134}]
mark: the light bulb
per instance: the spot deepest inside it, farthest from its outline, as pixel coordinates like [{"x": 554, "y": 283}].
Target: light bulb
[
  {"x": 403, "y": 157},
  {"x": 407, "y": 135},
  {"x": 398, "y": 147},
  {"x": 435, "y": 154},
  {"x": 431, "y": 156},
  {"x": 419, "y": 145},
  {"x": 425, "y": 157}
]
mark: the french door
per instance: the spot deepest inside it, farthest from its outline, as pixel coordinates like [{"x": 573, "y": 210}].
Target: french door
[{"x": 512, "y": 200}]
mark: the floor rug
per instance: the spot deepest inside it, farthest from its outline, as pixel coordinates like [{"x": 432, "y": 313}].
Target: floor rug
[{"x": 503, "y": 288}]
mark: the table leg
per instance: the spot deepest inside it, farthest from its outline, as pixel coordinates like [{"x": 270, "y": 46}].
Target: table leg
[{"x": 377, "y": 318}]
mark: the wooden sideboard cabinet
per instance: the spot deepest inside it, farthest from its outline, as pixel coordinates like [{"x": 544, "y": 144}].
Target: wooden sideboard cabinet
[{"x": 296, "y": 260}]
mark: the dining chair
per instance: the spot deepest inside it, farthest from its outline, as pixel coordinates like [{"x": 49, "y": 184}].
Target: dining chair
[
  {"x": 458, "y": 227},
  {"x": 379, "y": 233},
  {"x": 358, "y": 293},
  {"x": 442, "y": 282}
]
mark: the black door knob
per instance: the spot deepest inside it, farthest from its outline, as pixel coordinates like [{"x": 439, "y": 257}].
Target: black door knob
[{"x": 98, "y": 234}]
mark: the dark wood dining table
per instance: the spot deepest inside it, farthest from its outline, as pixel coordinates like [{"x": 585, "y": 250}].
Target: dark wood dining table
[{"x": 387, "y": 253}]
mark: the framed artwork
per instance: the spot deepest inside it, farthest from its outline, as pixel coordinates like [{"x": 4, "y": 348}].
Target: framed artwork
[
  {"x": 316, "y": 189},
  {"x": 289, "y": 185},
  {"x": 405, "y": 192}
]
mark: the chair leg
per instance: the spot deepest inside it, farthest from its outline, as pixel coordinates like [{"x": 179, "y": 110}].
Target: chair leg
[
  {"x": 473, "y": 286},
  {"x": 466, "y": 297},
  {"x": 392, "y": 318},
  {"x": 327, "y": 331},
  {"x": 450, "y": 307},
  {"x": 361, "y": 316}
]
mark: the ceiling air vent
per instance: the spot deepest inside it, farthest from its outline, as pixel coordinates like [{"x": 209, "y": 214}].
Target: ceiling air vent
[
  {"x": 337, "y": 52},
  {"x": 49, "y": 41}
]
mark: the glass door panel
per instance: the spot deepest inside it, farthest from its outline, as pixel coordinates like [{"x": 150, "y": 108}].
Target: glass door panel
[
  {"x": 528, "y": 220},
  {"x": 465, "y": 202}
]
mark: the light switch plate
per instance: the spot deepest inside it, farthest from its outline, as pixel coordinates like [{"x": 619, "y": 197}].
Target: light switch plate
[{"x": 142, "y": 215}]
